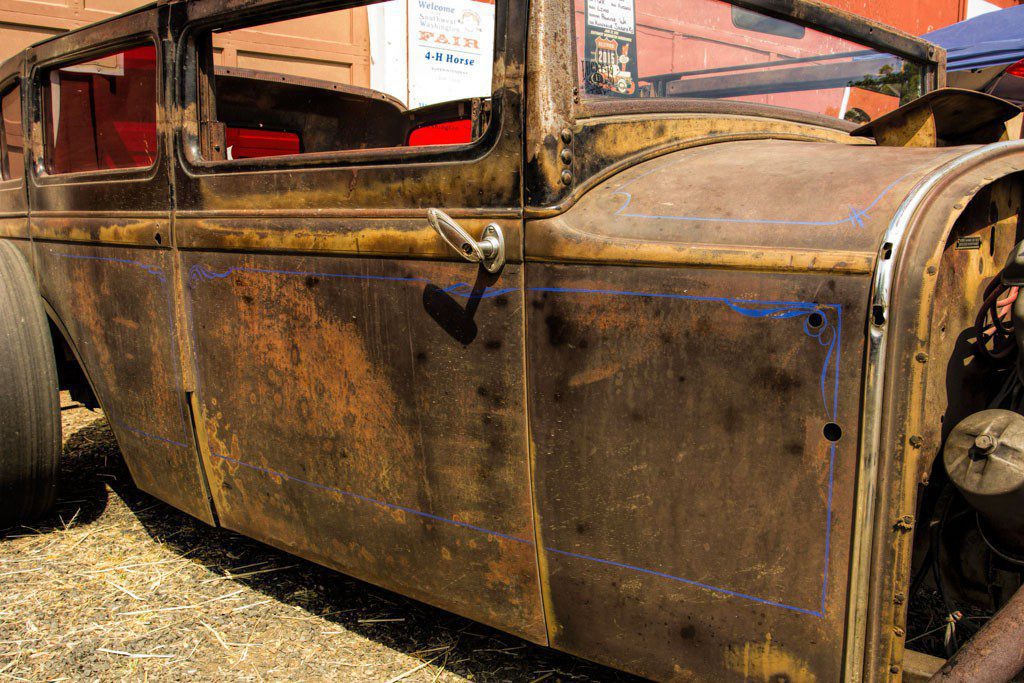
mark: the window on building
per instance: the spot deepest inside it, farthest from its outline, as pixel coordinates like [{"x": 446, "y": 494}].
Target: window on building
[
  {"x": 100, "y": 114},
  {"x": 13, "y": 137},
  {"x": 379, "y": 76}
]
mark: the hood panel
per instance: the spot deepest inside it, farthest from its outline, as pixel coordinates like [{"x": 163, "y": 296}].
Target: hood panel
[{"x": 762, "y": 194}]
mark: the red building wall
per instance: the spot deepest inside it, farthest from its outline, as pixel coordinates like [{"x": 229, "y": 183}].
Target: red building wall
[{"x": 913, "y": 16}]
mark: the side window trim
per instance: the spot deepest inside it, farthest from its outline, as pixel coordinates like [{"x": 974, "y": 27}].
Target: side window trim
[{"x": 38, "y": 99}]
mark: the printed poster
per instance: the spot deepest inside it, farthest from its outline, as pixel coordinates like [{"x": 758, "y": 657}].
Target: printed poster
[
  {"x": 451, "y": 50},
  {"x": 610, "y": 62}
]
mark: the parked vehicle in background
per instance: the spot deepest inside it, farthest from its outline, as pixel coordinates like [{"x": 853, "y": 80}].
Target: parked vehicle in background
[
  {"x": 986, "y": 53},
  {"x": 621, "y": 337}
]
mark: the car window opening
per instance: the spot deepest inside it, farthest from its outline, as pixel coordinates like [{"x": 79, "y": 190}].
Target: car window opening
[
  {"x": 13, "y": 134},
  {"x": 100, "y": 114},
  {"x": 411, "y": 87},
  {"x": 709, "y": 49}
]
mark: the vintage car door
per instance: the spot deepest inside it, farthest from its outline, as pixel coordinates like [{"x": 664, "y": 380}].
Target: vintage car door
[
  {"x": 359, "y": 387},
  {"x": 697, "y": 289},
  {"x": 100, "y": 225}
]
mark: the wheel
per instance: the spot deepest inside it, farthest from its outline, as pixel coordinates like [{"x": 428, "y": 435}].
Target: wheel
[{"x": 30, "y": 438}]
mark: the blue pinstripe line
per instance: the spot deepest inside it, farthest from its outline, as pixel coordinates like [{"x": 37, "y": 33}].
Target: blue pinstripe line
[
  {"x": 839, "y": 350},
  {"x": 828, "y": 526},
  {"x": 465, "y": 290},
  {"x": 201, "y": 272},
  {"x": 832, "y": 362},
  {"x": 738, "y": 221},
  {"x": 658, "y": 295},
  {"x": 152, "y": 270},
  {"x": 747, "y": 307},
  {"x": 832, "y": 458},
  {"x": 786, "y": 311},
  {"x": 161, "y": 276},
  {"x": 855, "y": 218},
  {"x": 176, "y": 360},
  {"x": 381, "y": 503},
  {"x": 497, "y": 534},
  {"x": 690, "y": 582},
  {"x": 147, "y": 435},
  {"x": 833, "y": 342}
]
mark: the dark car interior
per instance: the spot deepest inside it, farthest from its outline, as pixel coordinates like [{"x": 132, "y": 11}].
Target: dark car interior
[{"x": 269, "y": 114}]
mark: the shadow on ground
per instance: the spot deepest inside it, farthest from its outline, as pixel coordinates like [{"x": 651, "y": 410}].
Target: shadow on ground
[{"x": 92, "y": 462}]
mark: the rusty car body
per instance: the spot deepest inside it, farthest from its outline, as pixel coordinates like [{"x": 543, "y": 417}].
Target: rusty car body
[{"x": 685, "y": 429}]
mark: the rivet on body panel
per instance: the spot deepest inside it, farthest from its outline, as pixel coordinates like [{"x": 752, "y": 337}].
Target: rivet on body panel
[{"x": 905, "y": 523}]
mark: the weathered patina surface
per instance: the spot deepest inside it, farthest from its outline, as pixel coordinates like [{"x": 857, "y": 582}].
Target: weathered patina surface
[
  {"x": 672, "y": 435},
  {"x": 702, "y": 399},
  {"x": 382, "y": 430}
]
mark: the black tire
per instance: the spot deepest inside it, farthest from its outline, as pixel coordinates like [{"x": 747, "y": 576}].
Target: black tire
[{"x": 30, "y": 440}]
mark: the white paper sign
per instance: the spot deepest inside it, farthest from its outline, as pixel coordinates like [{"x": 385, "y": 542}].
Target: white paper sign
[
  {"x": 451, "y": 48},
  {"x": 613, "y": 15}
]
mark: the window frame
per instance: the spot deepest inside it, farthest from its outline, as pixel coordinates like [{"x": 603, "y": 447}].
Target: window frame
[
  {"x": 40, "y": 102},
  {"x": 807, "y": 13},
  {"x": 189, "y": 91}
]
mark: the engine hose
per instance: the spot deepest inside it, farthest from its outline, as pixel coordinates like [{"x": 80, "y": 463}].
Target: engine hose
[
  {"x": 993, "y": 323},
  {"x": 995, "y": 654}
]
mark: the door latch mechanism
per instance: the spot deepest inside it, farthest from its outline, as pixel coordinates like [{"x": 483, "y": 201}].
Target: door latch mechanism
[{"x": 489, "y": 252}]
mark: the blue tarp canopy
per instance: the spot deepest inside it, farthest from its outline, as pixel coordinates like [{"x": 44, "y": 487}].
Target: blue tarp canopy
[{"x": 992, "y": 39}]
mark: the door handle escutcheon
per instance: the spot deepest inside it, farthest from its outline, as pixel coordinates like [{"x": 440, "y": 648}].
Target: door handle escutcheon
[{"x": 489, "y": 252}]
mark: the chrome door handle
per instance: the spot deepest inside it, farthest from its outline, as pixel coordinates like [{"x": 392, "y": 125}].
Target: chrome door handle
[{"x": 489, "y": 252}]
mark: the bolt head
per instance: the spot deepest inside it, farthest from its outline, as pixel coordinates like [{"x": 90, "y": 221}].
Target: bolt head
[
  {"x": 566, "y": 178},
  {"x": 566, "y": 156},
  {"x": 566, "y": 136},
  {"x": 985, "y": 443}
]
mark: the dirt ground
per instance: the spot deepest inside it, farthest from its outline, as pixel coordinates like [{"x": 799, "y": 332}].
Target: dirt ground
[{"x": 115, "y": 585}]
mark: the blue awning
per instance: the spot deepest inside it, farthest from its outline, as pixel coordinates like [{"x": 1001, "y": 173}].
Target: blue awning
[{"x": 992, "y": 39}]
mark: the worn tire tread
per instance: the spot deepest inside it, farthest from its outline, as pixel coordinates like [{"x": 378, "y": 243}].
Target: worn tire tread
[{"x": 30, "y": 430}]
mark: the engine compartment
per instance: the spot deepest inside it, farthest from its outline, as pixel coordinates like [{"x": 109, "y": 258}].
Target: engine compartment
[{"x": 968, "y": 548}]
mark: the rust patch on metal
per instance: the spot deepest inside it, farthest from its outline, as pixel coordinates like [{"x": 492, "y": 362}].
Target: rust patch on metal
[
  {"x": 357, "y": 439},
  {"x": 14, "y": 227},
  {"x": 396, "y": 237},
  {"x": 116, "y": 308},
  {"x": 768, "y": 662},
  {"x": 147, "y": 231},
  {"x": 556, "y": 240}
]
